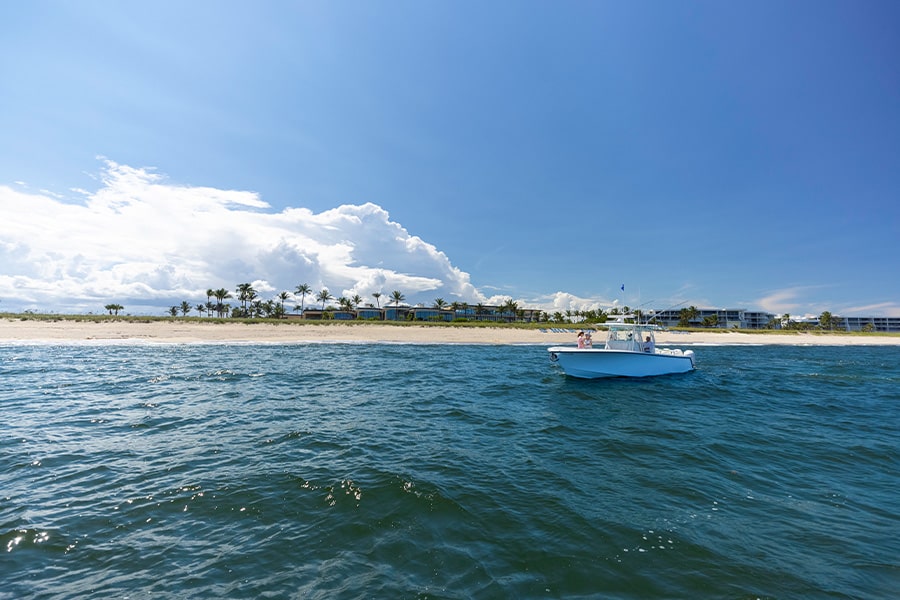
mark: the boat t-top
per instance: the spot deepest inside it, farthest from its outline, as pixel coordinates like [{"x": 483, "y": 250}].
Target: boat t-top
[{"x": 630, "y": 351}]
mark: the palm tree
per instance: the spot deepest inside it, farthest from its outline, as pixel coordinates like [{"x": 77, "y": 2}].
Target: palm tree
[
  {"x": 221, "y": 294},
  {"x": 693, "y": 313},
  {"x": 173, "y": 311},
  {"x": 397, "y": 297},
  {"x": 323, "y": 297},
  {"x": 512, "y": 307},
  {"x": 302, "y": 289},
  {"x": 686, "y": 316},
  {"x": 114, "y": 308},
  {"x": 209, "y": 294},
  {"x": 201, "y": 308},
  {"x": 244, "y": 291},
  {"x": 377, "y": 295},
  {"x": 439, "y": 303},
  {"x": 185, "y": 308},
  {"x": 786, "y": 322},
  {"x": 479, "y": 310},
  {"x": 253, "y": 302},
  {"x": 356, "y": 300},
  {"x": 283, "y": 296}
]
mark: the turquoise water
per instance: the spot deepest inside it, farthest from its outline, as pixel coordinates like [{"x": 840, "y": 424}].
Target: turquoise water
[{"x": 444, "y": 471}]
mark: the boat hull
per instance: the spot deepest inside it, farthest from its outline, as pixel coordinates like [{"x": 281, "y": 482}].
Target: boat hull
[{"x": 597, "y": 363}]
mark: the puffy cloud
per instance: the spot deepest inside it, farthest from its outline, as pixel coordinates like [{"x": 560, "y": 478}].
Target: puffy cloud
[
  {"x": 563, "y": 301},
  {"x": 146, "y": 243}
]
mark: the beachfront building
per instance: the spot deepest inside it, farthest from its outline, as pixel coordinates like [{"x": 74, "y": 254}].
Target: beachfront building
[
  {"x": 886, "y": 324},
  {"x": 370, "y": 313},
  {"x": 717, "y": 318},
  {"x": 480, "y": 312},
  {"x": 730, "y": 318},
  {"x": 497, "y": 314},
  {"x": 396, "y": 313},
  {"x": 421, "y": 313},
  {"x": 883, "y": 324}
]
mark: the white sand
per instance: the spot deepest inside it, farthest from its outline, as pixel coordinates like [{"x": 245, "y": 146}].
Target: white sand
[{"x": 13, "y": 330}]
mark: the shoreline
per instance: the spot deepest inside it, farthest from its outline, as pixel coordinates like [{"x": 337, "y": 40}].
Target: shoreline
[{"x": 173, "y": 332}]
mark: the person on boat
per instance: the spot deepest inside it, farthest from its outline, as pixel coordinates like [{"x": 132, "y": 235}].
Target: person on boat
[
  {"x": 579, "y": 340},
  {"x": 588, "y": 342},
  {"x": 649, "y": 346}
]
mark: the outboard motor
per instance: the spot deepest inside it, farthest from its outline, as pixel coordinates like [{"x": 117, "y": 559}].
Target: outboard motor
[{"x": 690, "y": 354}]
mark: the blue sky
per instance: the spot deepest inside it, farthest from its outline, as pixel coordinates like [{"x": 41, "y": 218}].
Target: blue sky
[{"x": 720, "y": 154}]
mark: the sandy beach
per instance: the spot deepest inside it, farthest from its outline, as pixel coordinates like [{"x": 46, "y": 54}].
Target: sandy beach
[{"x": 16, "y": 330}]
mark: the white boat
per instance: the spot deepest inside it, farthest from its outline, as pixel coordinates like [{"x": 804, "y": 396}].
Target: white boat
[{"x": 630, "y": 351}]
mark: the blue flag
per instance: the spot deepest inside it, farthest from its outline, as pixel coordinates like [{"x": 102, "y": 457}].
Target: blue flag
[{"x": 623, "y": 287}]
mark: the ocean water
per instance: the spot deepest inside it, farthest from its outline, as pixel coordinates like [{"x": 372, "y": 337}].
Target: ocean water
[{"x": 445, "y": 471}]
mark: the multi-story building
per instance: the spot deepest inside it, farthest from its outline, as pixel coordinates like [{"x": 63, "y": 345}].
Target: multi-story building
[
  {"x": 720, "y": 318},
  {"x": 886, "y": 324}
]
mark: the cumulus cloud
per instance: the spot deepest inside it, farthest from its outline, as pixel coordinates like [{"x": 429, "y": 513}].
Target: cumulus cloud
[
  {"x": 147, "y": 243},
  {"x": 565, "y": 301}
]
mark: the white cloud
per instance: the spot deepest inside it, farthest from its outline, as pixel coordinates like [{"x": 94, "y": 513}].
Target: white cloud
[
  {"x": 146, "y": 243},
  {"x": 793, "y": 301},
  {"x": 781, "y": 301},
  {"x": 563, "y": 301},
  {"x": 882, "y": 309}
]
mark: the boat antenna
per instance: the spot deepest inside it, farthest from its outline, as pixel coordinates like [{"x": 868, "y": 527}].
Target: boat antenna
[
  {"x": 667, "y": 310},
  {"x": 642, "y": 312}
]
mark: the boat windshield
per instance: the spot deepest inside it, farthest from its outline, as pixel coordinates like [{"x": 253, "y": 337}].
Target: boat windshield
[{"x": 629, "y": 337}]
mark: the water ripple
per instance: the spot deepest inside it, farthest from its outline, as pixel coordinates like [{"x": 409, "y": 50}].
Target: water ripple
[{"x": 366, "y": 470}]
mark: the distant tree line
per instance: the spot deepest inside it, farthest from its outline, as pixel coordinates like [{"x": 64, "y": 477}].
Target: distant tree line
[{"x": 252, "y": 306}]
